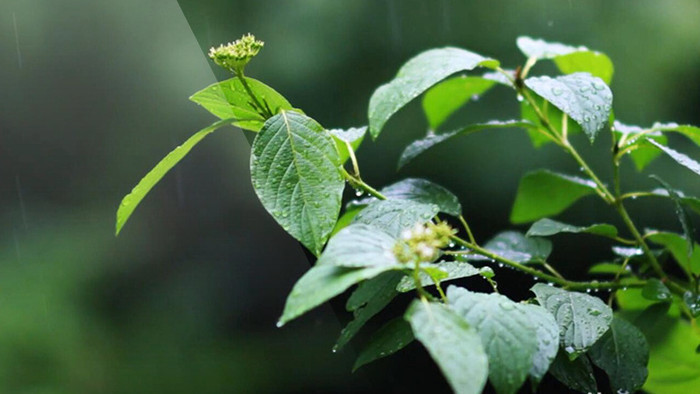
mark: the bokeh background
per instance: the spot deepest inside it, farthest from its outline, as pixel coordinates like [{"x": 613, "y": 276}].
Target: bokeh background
[{"x": 94, "y": 93}]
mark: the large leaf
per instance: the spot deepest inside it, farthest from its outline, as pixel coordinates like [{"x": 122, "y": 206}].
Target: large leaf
[
  {"x": 419, "y": 190},
  {"x": 677, "y": 246},
  {"x": 683, "y": 217},
  {"x": 568, "y": 59},
  {"x": 394, "y": 216},
  {"x": 634, "y": 140},
  {"x": 417, "y": 147},
  {"x": 575, "y": 374},
  {"x": 453, "y": 344},
  {"x": 389, "y": 339},
  {"x": 543, "y": 193},
  {"x": 359, "y": 245},
  {"x": 517, "y": 247},
  {"x": 547, "y": 340},
  {"x": 450, "y": 270},
  {"x": 582, "y": 319},
  {"x": 415, "y": 77},
  {"x": 132, "y": 200},
  {"x": 367, "y": 300},
  {"x": 352, "y": 136},
  {"x": 547, "y": 227},
  {"x": 585, "y": 98},
  {"x": 678, "y": 157},
  {"x": 229, "y": 99},
  {"x": 443, "y": 99},
  {"x": 507, "y": 332},
  {"x": 623, "y": 353},
  {"x": 323, "y": 282},
  {"x": 294, "y": 167}
]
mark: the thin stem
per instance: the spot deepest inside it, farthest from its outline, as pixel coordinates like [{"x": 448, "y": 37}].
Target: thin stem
[
  {"x": 360, "y": 184},
  {"x": 469, "y": 231},
  {"x": 263, "y": 111},
  {"x": 552, "y": 270},
  {"x": 443, "y": 296},
  {"x": 353, "y": 159}
]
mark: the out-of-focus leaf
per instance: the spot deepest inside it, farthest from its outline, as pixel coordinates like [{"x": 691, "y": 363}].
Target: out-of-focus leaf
[
  {"x": 575, "y": 374},
  {"x": 547, "y": 227},
  {"x": 389, "y": 339},
  {"x": 443, "y": 99},
  {"x": 678, "y": 157},
  {"x": 451, "y": 269},
  {"x": 519, "y": 248},
  {"x": 634, "y": 140}
]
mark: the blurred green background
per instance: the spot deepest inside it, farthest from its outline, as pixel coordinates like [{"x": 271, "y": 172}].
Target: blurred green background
[{"x": 94, "y": 93}]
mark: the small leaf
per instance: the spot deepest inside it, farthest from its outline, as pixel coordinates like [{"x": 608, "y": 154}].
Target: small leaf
[
  {"x": 394, "y": 216},
  {"x": 294, "y": 168},
  {"x": 607, "y": 269},
  {"x": 132, "y": 200},
  {"x": 422, "y": 191},
  {"x": 229, "y": 99},
  {"x": 543, "y": 193},
  {"x": 451, "y": 270},
  {"x": 677, "y": 246},
  {"x": 323, "y": 282},
  {"x": 678, "y": 157},
  {"x": 547, "y": 227},
  {"x": 547, "y": 340},
  {"x": 417, "y": 147},
  {"x": 519, "y": 248},
  {"x": 389, "y": 339},
  {"x": 415, "y": 77},
  {"x": 623, "y": 353},
  {"x": 582, "y": 319},
  {"x": 353, "y": 136},
  {"x": 443, "y": 99},
  {"x": 634, "y": 141},
  {"x": 359, "y": 245},
  {"x": 686, "y": 223},
  {"x": 586, "y": 99},
  {"x": 367, "y": 300},
  {"x": 576, "y": 374},
  {"x": 452, "y": 343},
  {"x": 656, "y": 290},
  {"x": 506, "y": 330}
]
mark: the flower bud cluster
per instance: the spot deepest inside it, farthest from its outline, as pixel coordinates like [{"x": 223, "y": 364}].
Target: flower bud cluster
[
  {"x": 235, "y": 55},
  {"x": 423, "y": 242}
]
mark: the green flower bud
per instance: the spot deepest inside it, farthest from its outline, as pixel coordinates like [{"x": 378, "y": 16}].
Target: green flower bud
[{"x": 235, "y": 55}]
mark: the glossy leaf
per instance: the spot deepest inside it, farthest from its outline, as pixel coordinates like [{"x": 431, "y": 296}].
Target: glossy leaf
[
  {"x": 453, "y": 344},
  {"x": 415, "y": 77},
  {"x": 681, "y": 214},
  {"x": 519, "y": 248},
  {"x": 352, "y": 136},
  {"x": 394, "y": 216},
  {"x": 547, "y": 227},
  {"x": 656, "y": 290},
  {"x": 623, "y": 353},
  {"x": 229, "y": 99},
  {"x": 132, "y": 200},
  {"x": 389, "y": 339},
  {"x": 367, "y": 300},
  {"x": 678, "y": 157},
  {"x": 294, "y": 168},
  {"x": 547, "y": 340},
  {"x": 586, "y": 99},
  {"x": 417, "y": 147},
  {"x": 422, "y": 191},
  {"x": 359, "y": 245},
  {"x": 552, "y": 114},
  {"x": 543, "y": 193},
  {"x": 506, "y": 330},
  {"x": 576, "y": 374},
  {"x": 451, "y": 270},
  {"x": 582, "y": 319},
  {"x": 443, "y": 99}
]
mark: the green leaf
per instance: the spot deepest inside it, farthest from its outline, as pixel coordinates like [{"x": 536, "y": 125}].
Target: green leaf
[
  {"x": 519, "y": 248},
  {"x": 547, "y": 340},
  {"x": 229, "y": 99},
  {"x": 623, "y": 353},
  {"x": 692, "y": 301},
  {"x": 543, "y": 193},
  {"x": 346, "y": 218},
  {"x": 394, "y": 216},
  {"x": 506, "y": 330},
  {"x": 431, "y": 139},
  {"x": 567, "y": 58},
  {"x": 686, "y": 223},
  {"x": 607, "y": 269},
  {"x": 447, "y": 270},
  {"x": 389, "y": 339},
  {"x": 294, "y": 168},
  {"x": 359, "y": 245},
  {"x": 634, "y": 141},
  {"x": 677, "y": 246},
  {"x": 691, "y": 132},
  {"x": 586, "y": 99},
  {"x": 323, "y": 282},
  {"x": 656, "y": 290},
  {"x": 691, "y": 202},
  {"x": 422, "y": 191},
  {"x": 582, "y": 319},
  {"x": 443, "y": 99},
  {"x": 352, "y": 136},
  {"x": 132, "y": 200},
  {"x": 678, "y": 157},
  {"x": 367, "y": 300},
  {"x": 547, "y": 227},
  {"x": 415, "y": 77},
  {"x": 576, "y": 374},
  {"x": 552, "y": 114},
  {"x": 452, "y": 343}
]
